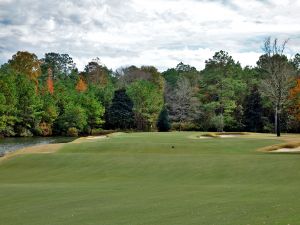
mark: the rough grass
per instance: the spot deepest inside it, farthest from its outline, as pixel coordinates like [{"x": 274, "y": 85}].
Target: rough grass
[{"x": 139, "y": 179}]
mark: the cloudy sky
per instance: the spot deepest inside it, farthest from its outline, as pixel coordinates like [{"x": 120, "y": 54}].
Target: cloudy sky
[{"x": 144, "y": 32}]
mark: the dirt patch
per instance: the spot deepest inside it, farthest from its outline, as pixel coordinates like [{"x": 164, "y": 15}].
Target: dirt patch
[{"x": 49, "y": 148}]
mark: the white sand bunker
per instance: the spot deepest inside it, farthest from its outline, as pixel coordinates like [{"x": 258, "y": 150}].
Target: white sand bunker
[
  {"x": 96, "y": 137},
  {"x": 204, "y": 137},
  {"x": 291, "y": 150},
  {"x": 209, "y": 136},
  {"x": 228, "y": 135}
]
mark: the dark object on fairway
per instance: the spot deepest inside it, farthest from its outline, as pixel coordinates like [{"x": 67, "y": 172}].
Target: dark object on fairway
[{"x": 173, "y": 146}]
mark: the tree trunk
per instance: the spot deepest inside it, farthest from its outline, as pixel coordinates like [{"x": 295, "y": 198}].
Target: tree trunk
[
  {"x": 277, "y": 121},
  {"x": 180, "y": 125},
  {"x": 222, "y": 122},
  {"x": 278, "y": 124}
]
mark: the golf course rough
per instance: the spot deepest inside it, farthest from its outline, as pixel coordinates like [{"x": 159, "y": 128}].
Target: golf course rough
[{"x": 152, "y": 179}]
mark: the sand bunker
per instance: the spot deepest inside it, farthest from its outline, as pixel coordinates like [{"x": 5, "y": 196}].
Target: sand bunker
[
  {"x": 290, "y": 150},
  {"x": 204, "y": 137},
  {"x": 95, "y": 137},
  {"x": 228, "y": 135},
  {"x": 219, "y": 136}
]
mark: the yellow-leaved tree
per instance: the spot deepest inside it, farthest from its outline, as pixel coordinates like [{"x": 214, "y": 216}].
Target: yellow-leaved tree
[{"x": 28, "y": 64}]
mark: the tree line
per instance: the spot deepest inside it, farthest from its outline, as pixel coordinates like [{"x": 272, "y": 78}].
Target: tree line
[{"x": 49, "y": 96}]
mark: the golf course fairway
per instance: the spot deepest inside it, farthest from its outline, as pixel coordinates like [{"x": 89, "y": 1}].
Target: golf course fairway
[{"x": 152, "y": 179}]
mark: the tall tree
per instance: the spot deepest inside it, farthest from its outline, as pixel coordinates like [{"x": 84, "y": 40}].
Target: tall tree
[
  {"x": 120, "y": 113},
  {"x": 49, "y": 115},
  {"x": 163, "y": 123},
  {"x": 128, "y": 75},
  {"x": 171, "y": 76},
  {"x": 50, "y": 85},
  {"x": 81, "y": 86},
  {"x": 155, "y": 76},
  {"x": 222, "y": 89},
  {"x": 278, "y": 81},
  {"x": 61, "y": 65},
  {"x": 29, "y": 107},
  {"x": 296, "y": 62},
  {"x": 253, "y": 116},
  {"x": 8, "y": 101},
  {"x": 94, "y": 110},
  {"x": 181, "y": 103},
  {"x": 148, "y": 101},
  {"x": 96, "y": 73},
  {"x": 28, "y": 64},
  {"x": 294, "y": 107}
]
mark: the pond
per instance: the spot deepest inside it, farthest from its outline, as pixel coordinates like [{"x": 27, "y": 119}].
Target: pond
[{"x": 13, "y": 144}]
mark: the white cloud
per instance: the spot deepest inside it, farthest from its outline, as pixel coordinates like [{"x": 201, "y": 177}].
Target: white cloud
[{"x": 158, "y": 32}]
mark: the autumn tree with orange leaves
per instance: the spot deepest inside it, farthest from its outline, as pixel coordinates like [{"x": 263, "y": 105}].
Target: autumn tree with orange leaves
[
  {"x": 295, "y": 98},
  {"x": 50, "y": 84},
  {"x": 81, "y": 85}
]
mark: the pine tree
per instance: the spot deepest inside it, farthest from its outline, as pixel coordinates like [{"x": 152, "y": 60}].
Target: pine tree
[
  {"x": 163, "y": 123},
  {"x": 253, "y": 115},
  {"x": 120, "y": 114}
]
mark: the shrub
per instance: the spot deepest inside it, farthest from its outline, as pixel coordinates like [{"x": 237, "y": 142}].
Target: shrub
[
  {"x": 188, "y": 126},
  {"x": 45, "y": 129},
  {"x": 72, "y": 132},
  {"x": 24, "y": 132}
]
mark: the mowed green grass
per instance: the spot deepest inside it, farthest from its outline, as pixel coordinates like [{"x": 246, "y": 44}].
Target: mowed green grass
[{"x": 139, "y": 179}]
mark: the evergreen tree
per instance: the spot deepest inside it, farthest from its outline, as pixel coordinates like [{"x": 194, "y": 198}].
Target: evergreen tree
[
  {"x": 8, "y": 101},
  {"x": 120, "y": 114},
  {"x": 163, "y": 123},
  {"x": 253, "y": 115},
  {"x": 29, "y": 107}
]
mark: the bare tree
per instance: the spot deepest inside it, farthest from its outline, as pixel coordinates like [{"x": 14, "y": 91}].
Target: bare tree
[
  {"x": 128, "y": 75},
  {"x": 279, "y": 79},
  {"x": 181, "y": 102},
  {"x": 97, "y": 73}
]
